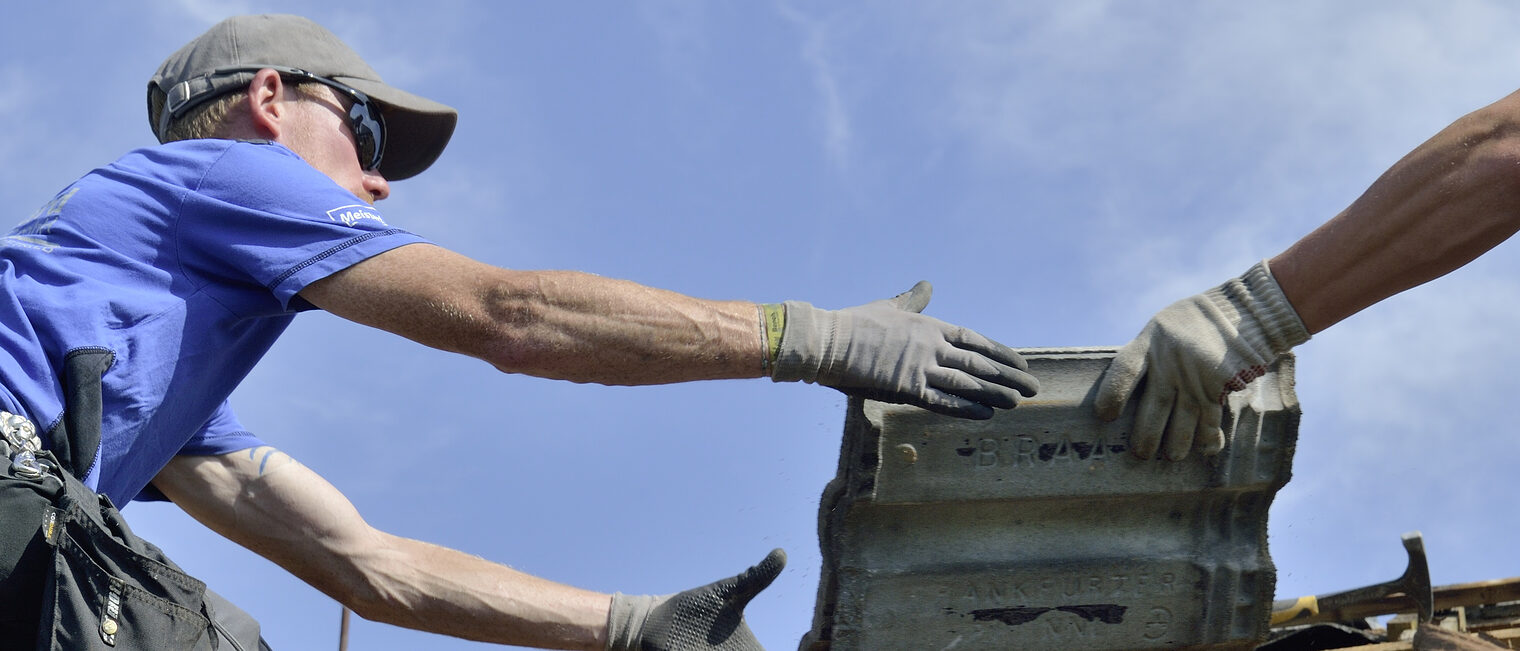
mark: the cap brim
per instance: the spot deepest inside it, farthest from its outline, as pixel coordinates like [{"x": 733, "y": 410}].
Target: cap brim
[{"x": 416, "y": 128}]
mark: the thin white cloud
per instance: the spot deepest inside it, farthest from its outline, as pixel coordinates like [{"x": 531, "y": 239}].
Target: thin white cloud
[
  {"x": 1302, "y": 105},
  {"x": 1441, "y": 344},
  {"x": 1042, "y": 80},
  {"x": 834, "y": 114}
]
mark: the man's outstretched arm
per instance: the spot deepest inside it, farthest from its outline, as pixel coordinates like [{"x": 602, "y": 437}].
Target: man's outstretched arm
[
  {"x": 587, "y": 328},
  {"x": 1444, "y": 204},
  {"x": 266, "y": 501},
  {"x": 1451, "y": 199}
]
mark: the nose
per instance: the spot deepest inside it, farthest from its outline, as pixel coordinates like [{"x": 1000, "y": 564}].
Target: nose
[{"x": 375, "y": 185}]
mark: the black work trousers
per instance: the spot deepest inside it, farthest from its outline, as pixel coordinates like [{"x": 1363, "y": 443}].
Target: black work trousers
[{"x": 74, "y": 576}]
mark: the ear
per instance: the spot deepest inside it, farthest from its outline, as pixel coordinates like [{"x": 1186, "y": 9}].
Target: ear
[{"x": 266, "y": 104}]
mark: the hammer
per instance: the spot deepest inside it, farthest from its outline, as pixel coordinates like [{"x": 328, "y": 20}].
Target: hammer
[{"x": 1415, "y": 583}]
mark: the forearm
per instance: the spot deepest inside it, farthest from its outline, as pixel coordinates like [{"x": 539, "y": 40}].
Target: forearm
[
  {"x": 586, "y": 328},
  {"x": 278, "y": 508},
  {"x": 555, "y": 324},
  {"x": 1452, "y": 198},
  {"x": 418, "y": 585}
]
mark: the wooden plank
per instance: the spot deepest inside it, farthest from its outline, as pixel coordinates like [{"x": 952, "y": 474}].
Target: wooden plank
[{"x": 1446, "y": 597}]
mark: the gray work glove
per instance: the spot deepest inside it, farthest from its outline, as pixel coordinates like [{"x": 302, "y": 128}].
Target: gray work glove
[
  {"x": 709, "y": 618},
  {"x": 1193, "y": 354},
  {"x": 887, "y": 351}
]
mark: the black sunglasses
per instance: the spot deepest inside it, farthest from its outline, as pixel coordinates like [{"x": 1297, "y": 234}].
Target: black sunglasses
[{"x": 364, "y": 116}]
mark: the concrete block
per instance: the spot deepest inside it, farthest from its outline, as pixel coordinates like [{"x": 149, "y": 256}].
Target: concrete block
[{"x": 1038, "y": 530}]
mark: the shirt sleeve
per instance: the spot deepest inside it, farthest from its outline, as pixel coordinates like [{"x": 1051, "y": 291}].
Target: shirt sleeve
[
  {"x": 262, "y": 225},
  {"x": 222, "y": 434}
]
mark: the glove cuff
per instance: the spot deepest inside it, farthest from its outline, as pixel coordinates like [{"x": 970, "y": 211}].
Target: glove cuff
[
  {"x": 800, "y": 354},
  {"x": 772, "y": 325},
  {"x": 1261, "y": 312},
  {"x": 625, "y": 620}
]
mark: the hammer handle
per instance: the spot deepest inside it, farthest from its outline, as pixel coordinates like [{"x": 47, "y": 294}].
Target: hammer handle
[{"x": 1287, "y": 610}]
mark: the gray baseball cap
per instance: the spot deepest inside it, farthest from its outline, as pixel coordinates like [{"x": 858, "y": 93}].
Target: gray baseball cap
[{"x": 416, "y": 128}]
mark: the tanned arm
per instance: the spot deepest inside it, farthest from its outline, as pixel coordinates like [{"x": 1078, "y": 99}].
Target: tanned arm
[
  {"x": 1444, "y": 204},
  {"x": 268, "y": 502},
  {"x": 553, "y": 324}
]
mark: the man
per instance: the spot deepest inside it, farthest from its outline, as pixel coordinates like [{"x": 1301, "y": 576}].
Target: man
[
  {"x": 1444, "y": 204},
  {"x": 138, "y": 298}
]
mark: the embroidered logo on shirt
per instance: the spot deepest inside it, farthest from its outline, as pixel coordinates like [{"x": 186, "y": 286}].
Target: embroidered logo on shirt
[{"x": 353, "y": 214}]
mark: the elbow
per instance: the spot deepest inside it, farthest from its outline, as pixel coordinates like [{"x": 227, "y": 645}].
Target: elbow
[
  {"x": 525, "y": 337},
  {"x": 513, "y": 336},
  {"x": 513, "y": 353},
  {"x": 374, "y": 586},
  {"x": 502, "y": 328},
  {"x": 383, "y": 613},
  {"x": 371, "y": 610}
]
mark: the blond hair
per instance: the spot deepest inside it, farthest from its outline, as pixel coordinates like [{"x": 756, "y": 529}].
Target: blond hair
[{"x": 211, "y": 119}]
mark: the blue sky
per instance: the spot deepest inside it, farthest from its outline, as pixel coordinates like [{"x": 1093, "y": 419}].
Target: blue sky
[{"x": 1060, "y": 171}]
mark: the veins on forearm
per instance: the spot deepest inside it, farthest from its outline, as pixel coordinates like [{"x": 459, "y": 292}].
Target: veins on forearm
[{"x": 585, "y": 328}]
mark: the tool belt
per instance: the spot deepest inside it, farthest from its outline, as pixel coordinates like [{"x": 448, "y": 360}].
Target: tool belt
[{"x": 74, "y": 576}]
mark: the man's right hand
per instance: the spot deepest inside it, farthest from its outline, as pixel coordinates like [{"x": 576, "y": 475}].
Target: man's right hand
[
  {"x": 887, "y": 351},
  {"x": 1191, "y": 355}
]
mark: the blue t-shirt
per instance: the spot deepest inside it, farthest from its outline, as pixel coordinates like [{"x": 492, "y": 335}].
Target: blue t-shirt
[{"x": 184, "y": 261}]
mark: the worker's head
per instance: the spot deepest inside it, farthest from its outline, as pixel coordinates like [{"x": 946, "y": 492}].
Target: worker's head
[{"x": 288, "y": 79}]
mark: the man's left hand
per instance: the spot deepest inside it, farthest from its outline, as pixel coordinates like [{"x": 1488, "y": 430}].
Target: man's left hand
[{"x": 887, "y": 351}]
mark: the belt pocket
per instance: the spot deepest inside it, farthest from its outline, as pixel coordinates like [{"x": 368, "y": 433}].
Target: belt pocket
[
  {"x": 25, "y": 557},
  {"x": 106, "y": 596}
]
